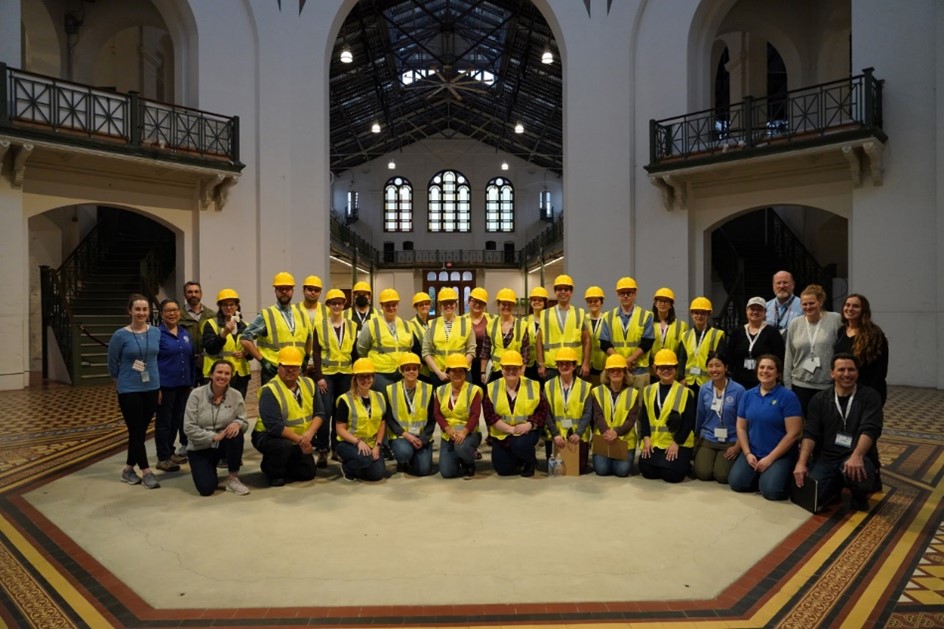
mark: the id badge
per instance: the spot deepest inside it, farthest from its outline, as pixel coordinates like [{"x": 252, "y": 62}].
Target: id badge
[
  {"x": 567, "y": 424},
  {"x": 717, "y": 404},
  {"x": 695, "y": 371},
  {"x": 138, "y": 366},
  {"x": 145, "y": 377},
  {"x": 721, "y": 434},
  {"x": 750, "y": 363},
  {"x": 843, "y": 440},
  {"x": 415, "y": 431},
  {"x": 811, "y": 364}
]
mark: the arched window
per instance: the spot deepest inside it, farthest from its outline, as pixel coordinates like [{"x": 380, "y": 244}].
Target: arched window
[
  {"x": 449, "y": 202},
  {"x": 398, "y": 205},
  {"x": 499, "y": 206}
]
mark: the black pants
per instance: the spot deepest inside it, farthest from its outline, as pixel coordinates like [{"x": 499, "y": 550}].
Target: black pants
[
  {"x": 657, "y": 466},
  {"x": 169, "y": 424},
  {"x": 203, "y": 463},
  {"x": 511, "y": 453},
  {"x": 283, "y": 459},
  {"x": 137, "y": 409},
  {"x": 804, "y": 394}
]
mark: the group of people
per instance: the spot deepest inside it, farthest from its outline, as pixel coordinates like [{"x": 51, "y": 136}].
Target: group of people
[{"x": 356, "y": 383}]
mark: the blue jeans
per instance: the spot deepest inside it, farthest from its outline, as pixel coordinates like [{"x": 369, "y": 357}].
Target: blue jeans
[
  {"x": 454, "y": 460},
  {"x": 605, "y": 466},
  {"x": 418, "y": 462},
  {"x": 360, "y": 465},
  {"x": 831, "y": 479},
  {"x": 772, "y": 482},
  {"x": 511, "y": 453}
]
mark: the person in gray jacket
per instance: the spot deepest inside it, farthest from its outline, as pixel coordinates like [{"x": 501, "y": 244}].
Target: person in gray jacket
[{"x": 214, "y": 422}]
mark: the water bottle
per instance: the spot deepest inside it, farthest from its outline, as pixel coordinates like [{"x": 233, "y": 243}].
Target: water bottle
[
  {"x": 552, "y": 467},
  {"x": 560, "y": 465}
]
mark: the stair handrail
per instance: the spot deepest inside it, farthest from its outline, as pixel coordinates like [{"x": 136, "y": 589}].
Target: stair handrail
[
  {"x": 57, "y": 315},
  {"x": 795, "y": 256},
  {"x": 155, "y": 266}
]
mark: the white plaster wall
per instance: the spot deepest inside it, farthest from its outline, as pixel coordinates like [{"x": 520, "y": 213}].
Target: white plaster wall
[{"x": 14, "y": 282}]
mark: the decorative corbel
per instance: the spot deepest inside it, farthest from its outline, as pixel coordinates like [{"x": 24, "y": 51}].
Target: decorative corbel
[
  {"x": 222, "y": 191},
  {"x": 665, "y": 189},
  {"x": 855, "y": 165},
  {"x": 208, "y": 190},
  {"x": 678, "y": 190},
  {"x": 19, "y": 163},
  {"x": 874, "y": 151}
]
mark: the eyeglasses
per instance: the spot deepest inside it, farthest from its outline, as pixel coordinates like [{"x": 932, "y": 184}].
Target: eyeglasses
[
  {"x": 170, "y": 310},
  {"x": 563, "y": 289},
  {"x": 365, "y": 376},
  {"x": 313, "y": 289},
  {"x": 290, "y": 367},
  {"x": 625, "y": 293},
  {"x": 476, "y": 302},
  {"x": 666, "y": 367},
  {"x": 447, "y": 304}
]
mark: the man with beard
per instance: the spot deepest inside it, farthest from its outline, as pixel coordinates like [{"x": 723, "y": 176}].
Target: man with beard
[
  {"x": 785, "y": 306},
  {"x": 194, "y": 316},
  {"x": 278, "y": 326}
]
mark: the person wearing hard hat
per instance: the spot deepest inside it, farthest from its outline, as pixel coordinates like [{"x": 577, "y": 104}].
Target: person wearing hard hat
[
  {"x": 515, "y": 412},
  {"x": 361, "y": 310},
  {"x": 569, "y": 416},
  {"x": 410, "y": 421},
  {"x": 419, "y": 324},
  {"x": 594, "y": 297},
  {"x": 221, "y": 340},
  {"x": 384, "y": 339},
  {"x": 614, "y": 409},
  {"x": 667, "y": 423},
  {"x": 563, "y": 325},
  {"x": 311, "y": 293},
  {"x": 667, "y": 327},
  {"x": 627, "y": 331},
  {"x": 537, "y": 299},
  {"x": 290, "y": 414},
  {"x": 279, "y": 326},
  {"x": 336, "y": 338},
  {"x": 505, "y": 332},
  {"x": 479, "y": 319},
  {"x": 359, "y": 421},
  {"x": 700, "y": 339},
  {"x": 457, "y": 406},
  {"x": 447, "y": 335}
]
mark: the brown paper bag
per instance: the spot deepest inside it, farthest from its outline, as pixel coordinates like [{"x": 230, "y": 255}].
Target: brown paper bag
[{"x": 570, "y": 455}]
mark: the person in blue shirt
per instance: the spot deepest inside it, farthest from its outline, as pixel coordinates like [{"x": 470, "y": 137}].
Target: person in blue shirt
[
  {"x": 769, "y": 425},
  {"x": 716, "y": 445},
  {"x": 785, "y": 305},
  {"x": 175, "y": 363}
]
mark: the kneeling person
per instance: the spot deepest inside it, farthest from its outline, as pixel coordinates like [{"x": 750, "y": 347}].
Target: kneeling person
[
  {"x": 359, "y": 422},
  {"x": 614, "y": 410},
  {"x": 667, "y": 423},
  {"x": 410, "y": 419},
  {"x": 570, "y": 411},
  {"x": 456, "y": 407}
]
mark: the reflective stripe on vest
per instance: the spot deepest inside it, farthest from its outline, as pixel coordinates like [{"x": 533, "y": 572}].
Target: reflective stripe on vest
[
  {"x": 673, "y": 336},
  {"x": 698, "y": 356},
  {"x": 498, "y": 343},
  {"x": 573, "y": 409},
  {"x": 554, "y": 338},
  {"x": 415, "y": 422},
  {"x": 231, "y": 344},
  {"x": 419, "y": 332},
  {"x": 527, "y": 400},
  {"x": 336, "y": 358},
  {"x": 676, "y": 400},
  {"x": 458, "y": 416},
  {"x": 455, "y": 344},
  {"x": 626, "y": 342},
  {"x": 279, "y": 335},
  {"x": 385, "y": 350},
  {"x": 296, "y": 416},
  {"x": 597, "y": 355},
  {"x": 615, "y": 414},
  {"x": 363, "y": 426}
]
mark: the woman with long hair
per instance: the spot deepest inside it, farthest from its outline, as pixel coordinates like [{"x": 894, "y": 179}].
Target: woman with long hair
[{"x": 864, "y": 340}]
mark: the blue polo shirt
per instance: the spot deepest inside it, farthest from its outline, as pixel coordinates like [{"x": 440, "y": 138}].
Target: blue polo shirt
[{"x": 765, "y": 415}]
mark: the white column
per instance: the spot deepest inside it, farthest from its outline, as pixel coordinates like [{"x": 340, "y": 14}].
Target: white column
[{"x": 14, "y": 273}]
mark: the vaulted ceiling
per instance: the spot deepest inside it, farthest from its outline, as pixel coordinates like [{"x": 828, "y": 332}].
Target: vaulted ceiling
[{"x": 445, "y": 68}]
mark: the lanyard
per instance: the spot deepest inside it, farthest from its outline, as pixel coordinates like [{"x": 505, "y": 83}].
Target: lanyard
[
  {"x": 214, "y": 408},
  {"x": 625, "y": 319},
  {"x": 393, "y": 331},
  {"x": 701, "y": 339},
  {"x": 664, "y": 330},
  {"x": 811, "y": 333},
  {"x": 339, "y": 331},
  {"x": 751, "y": 340},
  {"x": 410, "y": 399},
  {"x": 783, "y": 310},
  {"x": 289, "y": 317},
  {"x": 720, "y": 398},
  {"x": 447, "y": 328},
  {"x": 561, "y": 317},
  {"x": 565, "y": 393},
  {"x": 595, "y": 323},
  {"x": 147, "y": 343},
  {"x": 845, "y": 415},
  {"x": 362, "y": 318}
]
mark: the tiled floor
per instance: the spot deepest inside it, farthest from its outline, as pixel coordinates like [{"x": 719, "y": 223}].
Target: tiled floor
[{"x": 59, "y": 444}]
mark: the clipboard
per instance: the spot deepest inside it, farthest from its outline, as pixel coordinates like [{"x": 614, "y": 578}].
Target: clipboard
[
  {"x": 611, "y": 449},
  {"x": 806, "y": 496}
]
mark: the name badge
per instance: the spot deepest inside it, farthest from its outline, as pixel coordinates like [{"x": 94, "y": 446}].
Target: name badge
[
  {"x": 721, "y": 434},
  {"x": 138, "y": 365},
  {"x": 145, "y": 377},
  {"x": 567, "y": 423},
  {"x": 843, "y": 440},
  {"x": 811, "y": 364},
  {"x": 415, "y": 430},
  {"x": 750, "y": 363},
  {"x": 717, "y": 404},
  {"x": 695, "y": 371}
]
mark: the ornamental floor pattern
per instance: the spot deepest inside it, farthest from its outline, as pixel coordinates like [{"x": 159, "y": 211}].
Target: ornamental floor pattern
[{"x": 883, "y": 568}]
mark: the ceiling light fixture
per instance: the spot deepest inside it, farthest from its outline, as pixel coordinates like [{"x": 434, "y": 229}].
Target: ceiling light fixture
[
  {"x": 391, "y": 164},
  {"x": 519, "y": 128},
  {"x": 347, "y": 57},
  {"x": 548, "y": 57},
  {"x": 504, "y": 166},
  {"x": 375, "y": 128}
]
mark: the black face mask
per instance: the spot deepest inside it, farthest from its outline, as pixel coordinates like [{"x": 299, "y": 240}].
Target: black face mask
[{"x": 361, "y": 301}]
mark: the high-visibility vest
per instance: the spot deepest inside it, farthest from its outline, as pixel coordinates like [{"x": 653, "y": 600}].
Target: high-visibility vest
[
  {"x": 413, "y": 421},
  {"x": 626, "y": 341},
  {"x": 554, "y": 338},
  {"x": 279, "y": 335},
  {"x": 696, "y": 363},
  {"x": 314, "y": 318},
  {"x": 453, "y": 344},
  {"x": 371, "y": 313},
  {"x": 673, "y": 336},
  {"x": 419, "y": 331},
  {"x": 385, "y": 348},
  {"x": 458, "y": 415},
  {"x": 230, "y": 344},
  {"x": 296, "y": 414},
  {"x": 615, "y": 414},
  {"x": 532, "y": 325},
  {"x": 527, "y": 400},
  {"x": 597, "y": 355},
  {"x": 336, "y": 357},
  {"x": 363, "y": 424},
  {"x": 572, "y": 410},
  {"x": 518, "y": 330},
  {"x": 660, "y": 435}
]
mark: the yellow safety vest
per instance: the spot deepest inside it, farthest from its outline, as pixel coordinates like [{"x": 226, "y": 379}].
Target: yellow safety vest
[
  {"x": 454, "y": 344},
  {"x": 660, "y": 435},
  {"x": 363, "y": 424},
  {"x": 316, "y": 318},
  {"x": 626, "y": 341},
  {"x": 673, "y": 336},
  {"x": 696, "y": 363},
  {"x": 297, "y": 415},
  {"x": 532, "y": 335},
  {"x": 413, "y": 421},
  {"x": 572, "y": 410},
  {"x": 335, "y": 357},
  {"x": 458, "y": 415},
  {"x": 279, "y": 335},
  {"x": 371, "y": 314},
  {"x": 385, "y": 349},
  {"x": 554, "y": 338},
  {"x": 615, "y": 414},
  {"x": 597, "y": 355},
  {"x": 527, "y": 400},
  {"x": 419, "y": 331},
  {"x": 230, "y": 344},
  {"x": 519, "y": 329}
]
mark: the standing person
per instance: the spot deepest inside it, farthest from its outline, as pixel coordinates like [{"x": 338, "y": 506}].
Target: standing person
[
  {"x": 628, "y": 331},
  {"x": 457, "y": 406},
  {"x": 479, "y": 319},
  {"x": 505, "y": 332},
  {"x": 359, "y": 421},
  {"x": 785, "y": 306},
  {"x": 419, "y": 324},
  {"x": 667, "y": 327},
  {"x": 810, "y": 341},
  {"x": 290, "y": 413},
  {"x": 538, "y": 302},
  {"x": 614, "y": 413},
  {"x": 594, "y": 296},
  {"x": 410, "y": 419},
  {"x": 755, "y": 338},
  {"x": 569, "y": 415},
  {"x": 132, "y": 364},
  {"x": 361, "y": 310},
  {"x": 277, "y": 327},
  {"x": 336, "y": 336},
  {"x": 840, "y": 437},
  {"x": 716, "y": 445},
  {"x": 221, "y": 340},
  {"x": 194, "y": 316},
  {"x": 563, "y": 325},
  {"x": 667, "y": 423},
  {"x": 447, "y": 335},
  {"x": 515, "y": 412},
  {"x": 697, "y": 341},
  {"x": 311, "y": 293},
  {"x": 175, "y": 366},
  {"x": 384, "y": 339},
  {"x": 215, "y": 422},
  {"x": 866, "y": 341}
]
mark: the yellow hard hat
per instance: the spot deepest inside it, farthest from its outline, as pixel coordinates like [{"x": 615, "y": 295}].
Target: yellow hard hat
[
  {"x": 563, "y": 280},
  {"x": 291, "y": 356},
  {"x": 566, "y": 354},
  {"x": 361, "y": 287},
  {"x": 333, "y": 294},
  {"x": 594, "y": 292},
  {"x": 615, "y": 361},
  {"x": 479, "y": 293},
  {"x": 226, "y": 293},
  {"x": 447, "y": 294},
  {"x": 665, "y": 293},
  {"x": 388, "y": 294},
  {"x": 665, "y": 357},
  {"x": 506, "y": 294},
  {"x": 363, "y": 365},
  {"x": 409, "y": 358},
  {"x": 283, "y": 279},
  {"x": 511, "y": 358},
  {"x": 313, "y": 280},
  {"x": 626, "y": 283},
  {"x": 419, "y": 298},
  {"x": 456, "y": 361},
  {"x": 700, "y": 303},
  {"x": 538, "y": 292}
]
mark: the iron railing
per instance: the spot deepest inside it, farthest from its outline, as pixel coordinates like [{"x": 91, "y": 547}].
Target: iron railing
[
  {"x": 729, "y": 264},
  {"x": 459, "y": 257},
  {"x": 57, "y": 316},
  {"x": 843, "y": 109},
  {"x": 548, "y": 242},
  {"x": 42, "y": 107},
  {"x": 795, "y": 256}
]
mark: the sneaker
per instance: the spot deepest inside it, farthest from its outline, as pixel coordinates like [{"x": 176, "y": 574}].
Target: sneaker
[
  {"x": 130, "y": 477},
  {"x": 348, "y": 477},
  {"x": 527, "y": 470},
  {"x": 322, "y": 458},
  {"x": 470, "y": 470},
  {"x": 150, "y": 481},
  {"x": 222, "y": 464},
  {"x": 182, "y": 451},
  {"x": 234, "y": 485},
  {"x": 168, "y": 466},
  {"x": 179, "y": 459}
]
